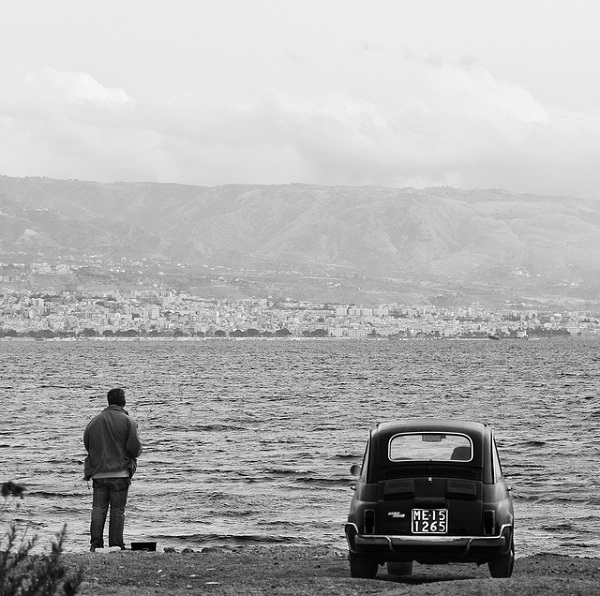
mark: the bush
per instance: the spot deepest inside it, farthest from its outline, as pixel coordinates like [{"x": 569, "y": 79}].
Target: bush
[{"x": 23, "y": 573}]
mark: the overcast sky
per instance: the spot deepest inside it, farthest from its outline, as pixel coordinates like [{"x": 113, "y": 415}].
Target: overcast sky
[{"x": 465, "y": 93}]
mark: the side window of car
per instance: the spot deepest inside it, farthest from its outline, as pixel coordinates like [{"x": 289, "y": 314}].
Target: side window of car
[
  {"x": 363, "y": 471},
  {"x": 496, "y": 461}
]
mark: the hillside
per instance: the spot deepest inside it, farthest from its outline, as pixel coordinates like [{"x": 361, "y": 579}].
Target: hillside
[{"x": 482, "y": 244}]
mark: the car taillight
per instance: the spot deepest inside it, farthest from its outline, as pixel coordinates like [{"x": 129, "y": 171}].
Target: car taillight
[
  {"x": 369, "y": 521},
  {"x": 489, "y": 522}
]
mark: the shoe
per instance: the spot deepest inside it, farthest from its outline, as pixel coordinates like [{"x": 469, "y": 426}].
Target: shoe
[{"x": 92, "y": 549}]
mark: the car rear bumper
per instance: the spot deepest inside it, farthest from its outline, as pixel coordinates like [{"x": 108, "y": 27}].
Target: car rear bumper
[{"x": 451, "y": 547}]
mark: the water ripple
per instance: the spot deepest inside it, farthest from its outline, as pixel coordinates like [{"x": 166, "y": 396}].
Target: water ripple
[{"x": 252, "y": 441}]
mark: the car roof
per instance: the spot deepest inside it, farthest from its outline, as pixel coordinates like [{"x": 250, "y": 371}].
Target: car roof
[
  {"x": 392, "y": 427},
  {"x": 380, "y": 436}
]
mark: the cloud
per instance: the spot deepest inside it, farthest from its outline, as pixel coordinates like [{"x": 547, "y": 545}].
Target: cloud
[
  {"x": 409, "y": 119},
  {"x": 59, "y": 93},
  {"x": 72, "y": 88},
  {"x": 60, "y": 124}
]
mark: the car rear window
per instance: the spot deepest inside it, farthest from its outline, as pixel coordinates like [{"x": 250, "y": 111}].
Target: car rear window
[{"x": 430, "y": 446}]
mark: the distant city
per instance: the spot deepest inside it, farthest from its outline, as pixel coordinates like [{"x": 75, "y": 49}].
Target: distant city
[{"x": 153, "y": 310}]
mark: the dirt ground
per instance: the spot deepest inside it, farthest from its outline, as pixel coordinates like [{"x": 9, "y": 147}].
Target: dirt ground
[{"x": 297, "y": 571}]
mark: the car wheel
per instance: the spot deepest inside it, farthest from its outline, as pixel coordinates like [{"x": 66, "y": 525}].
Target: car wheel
[
  {"x": 400, "y": 567},
  {"x": 362, "y": 566},
  {"x": 503, "y": 565}
]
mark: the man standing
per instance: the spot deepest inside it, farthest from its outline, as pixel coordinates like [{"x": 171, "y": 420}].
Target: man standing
[{"x": 112, "y": 442}]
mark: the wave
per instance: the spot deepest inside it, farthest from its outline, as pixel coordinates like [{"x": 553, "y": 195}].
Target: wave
[
  {"x": 556, "y": 498},
  {"x": 216, "y": 427},
  {"x": 578, "y": 543},
  {"x": 323, "y": 481},
  {"x": 281, "y": 523},
  {"x": 564, "y": 527},
  {"x": 229, "y": 512},
  {"x": 29, "y": 522},
  {"x": 350, "y": 456},
  {"x": 50, "y": 495},
  {"x": 294, "y": 477},
  {"x": 281, "y": 471},
  {"x": 230, "y": 539},
  {"x": 63, "y": 386}
]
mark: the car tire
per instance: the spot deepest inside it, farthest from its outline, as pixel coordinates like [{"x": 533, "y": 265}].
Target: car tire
[
  {"x": 363, "y": 567},
  {"x": 503, "y": 565},
  {"x": 400, "y": 567}
]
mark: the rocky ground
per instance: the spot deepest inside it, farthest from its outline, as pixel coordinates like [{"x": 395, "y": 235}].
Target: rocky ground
[{"x": 297, "y": 571}]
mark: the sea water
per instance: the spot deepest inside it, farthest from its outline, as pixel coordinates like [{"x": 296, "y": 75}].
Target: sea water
[{"x": 251, "y": 441}]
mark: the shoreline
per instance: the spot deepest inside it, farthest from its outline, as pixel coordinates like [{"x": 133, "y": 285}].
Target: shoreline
[
  {"x": 483, "y": 338},
  {"x": 299, "y": 571}
]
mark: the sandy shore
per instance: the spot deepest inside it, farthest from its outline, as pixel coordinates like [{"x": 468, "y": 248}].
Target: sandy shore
[{"x": 297, "y": 571}]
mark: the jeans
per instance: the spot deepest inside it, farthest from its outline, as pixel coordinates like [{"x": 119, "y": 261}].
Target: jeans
[{"x": 113, "y": 492}]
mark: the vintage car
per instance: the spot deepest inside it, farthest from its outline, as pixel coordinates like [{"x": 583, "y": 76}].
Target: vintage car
[{"x": 431, "y": 491}]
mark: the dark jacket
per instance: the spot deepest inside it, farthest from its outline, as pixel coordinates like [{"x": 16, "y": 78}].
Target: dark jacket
[{"x": 112, "y": 442}]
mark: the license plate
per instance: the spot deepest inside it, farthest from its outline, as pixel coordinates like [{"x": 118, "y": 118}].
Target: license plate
[{"x": 429, "y": 521}]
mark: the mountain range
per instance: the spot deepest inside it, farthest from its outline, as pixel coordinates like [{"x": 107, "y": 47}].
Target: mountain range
[{"x": 363, "y": 243}]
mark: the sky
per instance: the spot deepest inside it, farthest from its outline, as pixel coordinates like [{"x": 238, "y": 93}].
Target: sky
[{"x": 402, "y": 93}]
